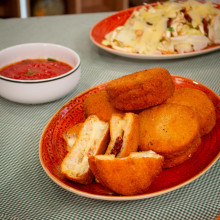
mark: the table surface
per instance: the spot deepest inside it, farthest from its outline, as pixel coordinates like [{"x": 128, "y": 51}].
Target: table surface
[{"x": 26, "y": 192}]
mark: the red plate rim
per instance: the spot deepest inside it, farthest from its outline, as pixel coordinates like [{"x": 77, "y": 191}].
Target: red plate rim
[
  {"x": 100, "y": 29},
  {"x": 58, "y": 180}
]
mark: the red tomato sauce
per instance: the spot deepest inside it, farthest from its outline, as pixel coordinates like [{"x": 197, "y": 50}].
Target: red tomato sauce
[{"x": 33, "y": 69}]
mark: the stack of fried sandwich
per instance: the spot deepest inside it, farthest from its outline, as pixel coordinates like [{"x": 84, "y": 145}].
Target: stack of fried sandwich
[{"x": 137, "y": 126}]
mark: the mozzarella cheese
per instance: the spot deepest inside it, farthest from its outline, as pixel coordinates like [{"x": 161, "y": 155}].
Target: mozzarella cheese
[{"x": 150, "y": 30}]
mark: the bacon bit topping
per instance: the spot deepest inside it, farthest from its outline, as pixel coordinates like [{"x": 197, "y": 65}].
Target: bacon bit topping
[
  {"x": 188, "y": 18},
  {"x": 183, "y": 10},
  {"x": 169, "y": 22},
  {"x": 205, "y": 25}
]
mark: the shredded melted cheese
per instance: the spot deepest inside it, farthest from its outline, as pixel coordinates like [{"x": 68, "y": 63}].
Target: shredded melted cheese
[{"x": 155, "y": 30}]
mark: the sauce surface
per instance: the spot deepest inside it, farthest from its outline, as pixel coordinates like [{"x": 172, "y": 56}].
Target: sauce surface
[{"x": 34, "y": 69}]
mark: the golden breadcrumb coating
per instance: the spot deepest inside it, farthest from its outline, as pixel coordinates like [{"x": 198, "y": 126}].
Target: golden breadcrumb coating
[
  {"x": 124, "y": 134},
  {"x": 168, "y": 129},
  {"x": 141, "y": 89},
  {"x": 99, "y": 104},
  {"x": 177, "y": 160},
  {"x": 128, "y": 175},
  {"x": 200, "y": 103}
]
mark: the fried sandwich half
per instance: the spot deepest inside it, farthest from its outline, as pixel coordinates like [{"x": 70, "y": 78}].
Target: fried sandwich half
[
  {"x": 141, "y": 89},
  {"x": 170, "y": 130},
  {"x": 124, "y": 134},
  {"x": 92, "y": 140},
  {"x": 200, "y": 103},
  {"x": 130, "y": 175}
]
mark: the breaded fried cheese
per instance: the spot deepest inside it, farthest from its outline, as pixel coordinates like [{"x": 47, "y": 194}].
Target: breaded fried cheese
[
  {"x": 168, "y": 129},
  {"x": 124, "y": 134},
  {"x": 141, "y": 89},
  {"x": 92, "y": 139},
  {"x": 200, "y": 103},
  {"x": 130, "y": 175},
  {"x": 71, "y": 134},
  {"x": 99, "y": 104}
]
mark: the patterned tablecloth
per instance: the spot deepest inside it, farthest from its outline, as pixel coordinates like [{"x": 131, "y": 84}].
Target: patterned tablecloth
[{"x": 26, "y": 192}]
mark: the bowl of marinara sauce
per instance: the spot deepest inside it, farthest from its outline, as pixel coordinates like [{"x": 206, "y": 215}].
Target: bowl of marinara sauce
[{"x": 37, "y": 73}]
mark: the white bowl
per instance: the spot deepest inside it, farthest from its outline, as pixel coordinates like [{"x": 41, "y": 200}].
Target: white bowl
[{"x": 43, "y": 90}]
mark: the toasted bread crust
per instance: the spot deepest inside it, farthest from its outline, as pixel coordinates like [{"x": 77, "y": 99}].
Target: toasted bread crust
[
  {"x": 130, "y": 130},
  {"x": 168, "y": 129},
  {"x": 126, "y": 176},
  {"x": 141, "y": 89}
]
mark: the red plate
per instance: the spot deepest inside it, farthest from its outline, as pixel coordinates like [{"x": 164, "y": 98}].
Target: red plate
[
  {"x": 108, "y": 24},
  {"x": 52, "y": 150}
]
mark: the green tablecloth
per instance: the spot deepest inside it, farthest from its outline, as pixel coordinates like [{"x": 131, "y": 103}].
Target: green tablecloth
[{"x": 26, "y": 192}]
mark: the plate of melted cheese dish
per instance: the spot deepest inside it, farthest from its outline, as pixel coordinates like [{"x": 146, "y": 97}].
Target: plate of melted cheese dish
[{"x": 161, "y": 31}]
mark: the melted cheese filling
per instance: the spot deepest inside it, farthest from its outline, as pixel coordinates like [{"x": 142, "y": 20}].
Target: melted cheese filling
[{"x": 150, "y": 154}]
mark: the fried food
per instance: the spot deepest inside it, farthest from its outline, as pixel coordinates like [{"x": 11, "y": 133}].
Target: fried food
[
  {"x": 200, "y": 103},
  {"x": 177, "y": 160},
  {"x": 92, "y": 140},
  {"x": 99, "y": 104},
  {"x": 129, "y": 175},
  {"x": 71, "y": 134},
  {"x": 141, "y": 89},
  {"x": 124, "y": 134},
  {"x": 168, "y": 129}
]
